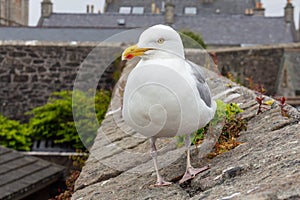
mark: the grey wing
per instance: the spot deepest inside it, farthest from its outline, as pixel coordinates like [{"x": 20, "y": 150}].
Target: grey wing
[{"x": 202, "y": 86}]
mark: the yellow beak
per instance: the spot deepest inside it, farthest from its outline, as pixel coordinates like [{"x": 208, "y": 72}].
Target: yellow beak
[{"x": 133, "y": 51}]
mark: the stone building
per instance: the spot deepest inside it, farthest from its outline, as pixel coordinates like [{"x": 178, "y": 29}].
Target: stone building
[
  {"x": 222, "y": 23},
  {"x": 14, "y": 12}
]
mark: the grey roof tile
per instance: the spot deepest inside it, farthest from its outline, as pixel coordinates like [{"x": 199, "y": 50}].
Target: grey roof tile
[{"x": 19, "y": 174}]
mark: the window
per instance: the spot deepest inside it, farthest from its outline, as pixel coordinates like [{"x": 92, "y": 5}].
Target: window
[
  {"x": 125, "y": 10},
  {"x": 190, "y": 10},
  {"x": 121, "y": 22},
  {"x": 138, "y": 10}
]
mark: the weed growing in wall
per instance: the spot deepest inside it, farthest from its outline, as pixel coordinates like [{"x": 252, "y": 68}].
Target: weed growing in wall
[{"x": 233, "y": 125}]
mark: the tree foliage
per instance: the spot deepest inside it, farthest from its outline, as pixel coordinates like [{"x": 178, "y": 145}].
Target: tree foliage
[
  {"x": 54, "y": 120},
  {"x": 192, "y": 40},
  {"x": 14, "y": 135}
]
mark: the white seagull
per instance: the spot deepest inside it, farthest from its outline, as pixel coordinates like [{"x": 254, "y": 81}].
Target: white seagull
[{"x": 165, "y": 94}]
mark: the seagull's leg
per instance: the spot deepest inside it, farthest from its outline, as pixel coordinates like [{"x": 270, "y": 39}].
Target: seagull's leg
[
  {"x": 160, "y": 181},
  {"x": 190, "y": 172}
]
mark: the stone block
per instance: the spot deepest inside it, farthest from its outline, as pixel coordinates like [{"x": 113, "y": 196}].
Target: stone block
[
  {"x": 18, "y": 54},
  {"x": 5, "y": 78},
  {"x": 21, "y": 78}
]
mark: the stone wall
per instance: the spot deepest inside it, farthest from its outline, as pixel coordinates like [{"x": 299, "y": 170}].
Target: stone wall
[
  {"x": 260, "y": 64},
  {"x": 263, "y": 64},
  {"x": 30, "y": 73}
]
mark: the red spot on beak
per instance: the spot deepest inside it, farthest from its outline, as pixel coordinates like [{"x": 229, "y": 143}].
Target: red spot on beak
[{"x": 129, "y": 56}]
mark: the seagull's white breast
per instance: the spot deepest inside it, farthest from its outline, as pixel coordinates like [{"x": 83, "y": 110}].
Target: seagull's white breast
[{"x": 161, "y": 99}]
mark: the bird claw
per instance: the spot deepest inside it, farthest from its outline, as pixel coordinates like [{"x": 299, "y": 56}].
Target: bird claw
[{"x": 191, "y": 173}]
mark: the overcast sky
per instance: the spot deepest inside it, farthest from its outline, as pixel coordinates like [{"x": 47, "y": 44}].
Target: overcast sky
[{"x": 273, "y": 7}]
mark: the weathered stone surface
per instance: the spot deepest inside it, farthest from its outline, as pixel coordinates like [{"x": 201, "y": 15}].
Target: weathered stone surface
[{"x": 265, "y": 166}]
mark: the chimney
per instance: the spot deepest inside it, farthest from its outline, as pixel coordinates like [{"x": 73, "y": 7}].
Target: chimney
[
  {"x": 107, "y": 2},
  {"x": 289, "y": 12},
  {"x": 47, "y": 8},
  {"x": 169, "y": 13},
  {"x": 87, "y": 8},
  {"x": 259, "y": 9}
]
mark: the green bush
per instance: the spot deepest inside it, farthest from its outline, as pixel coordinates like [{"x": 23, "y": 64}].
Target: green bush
[
  {"x": 88, "y": 118},
  {"x": 14, "y": 135},
  {"x": 54, "y": 120},
  {"x": 189, "y": 38}
]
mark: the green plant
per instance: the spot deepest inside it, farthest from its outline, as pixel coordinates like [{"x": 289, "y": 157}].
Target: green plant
[
  {"x": 54, "y": 120},
  {"x": 223, "y": 111},
  {"x": 198, "y": 136},
  {"x": 87, "y": 117},
  {"x": 189, "y": 38},
  {"x": 14, "y": 135},
  {"x": 233, "y": 125}
]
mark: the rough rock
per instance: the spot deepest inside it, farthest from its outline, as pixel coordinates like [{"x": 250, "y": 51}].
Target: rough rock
[{"x": 265, "y": 166}]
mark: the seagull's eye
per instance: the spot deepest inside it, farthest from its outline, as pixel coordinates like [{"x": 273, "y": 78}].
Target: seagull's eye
[{"x": 160, "y": 40}]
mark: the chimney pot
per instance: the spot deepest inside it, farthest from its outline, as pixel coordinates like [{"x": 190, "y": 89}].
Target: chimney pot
[
  {"x": 92, "y": 8},
  {"x": 257, "y": 4},
  {"x": 87, "y": 8},
  {"x": 157, "y": 11},
  {"x": 259, "y": 9},
  {"x": 251, "y": 11},
  {"x": 153, "y": 8}
]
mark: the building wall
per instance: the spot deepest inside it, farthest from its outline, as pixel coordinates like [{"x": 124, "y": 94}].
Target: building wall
[
  {"x": 262, "y": 65},
  {"x": 14, "y": 12},
  {"x": 30, "y": 73}
]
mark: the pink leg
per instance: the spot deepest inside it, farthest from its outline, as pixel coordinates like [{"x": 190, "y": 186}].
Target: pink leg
[
  {"x": 190, "y": 172},
  {"x": 160, "y": 181}
]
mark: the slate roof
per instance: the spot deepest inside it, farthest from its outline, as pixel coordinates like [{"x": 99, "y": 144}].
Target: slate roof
[
  {"x": 20, "y": 175},
  {"x": 55, "y": 34},
  {"x": 107, "y": 20},
  {"x": 239, "y": 29},
  {"x": 215, "y": 29},
  {"x": 225, "y": 6}
]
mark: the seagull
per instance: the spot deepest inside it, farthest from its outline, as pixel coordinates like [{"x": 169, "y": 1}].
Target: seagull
[{"x": 165, "y": 94}]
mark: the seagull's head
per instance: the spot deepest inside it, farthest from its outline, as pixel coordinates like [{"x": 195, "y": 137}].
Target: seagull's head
[{"x": 157, "y": 40}]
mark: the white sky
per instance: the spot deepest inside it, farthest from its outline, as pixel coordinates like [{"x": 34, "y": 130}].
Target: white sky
[
  {"x": 62, "y": 6},
  {"x": 273, "y": 7}
]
